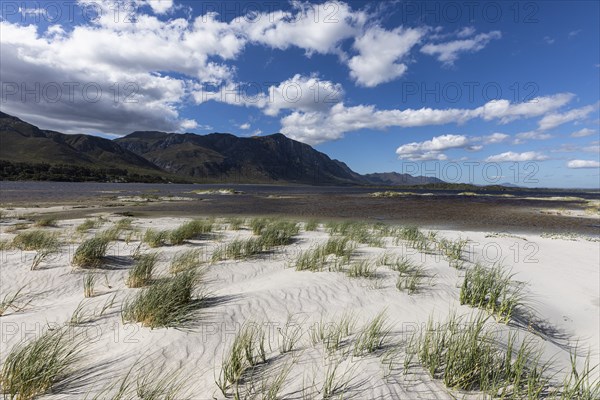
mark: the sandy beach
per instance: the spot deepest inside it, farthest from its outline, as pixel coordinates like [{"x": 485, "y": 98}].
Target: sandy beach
[{"x": 288, "y": 308}]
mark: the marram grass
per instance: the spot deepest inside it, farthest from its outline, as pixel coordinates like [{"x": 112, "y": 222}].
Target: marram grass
[
  {"x": 32, "y": 369},
  {"x": 91, "y": 252},
  {"x": 166, "y": 303}
]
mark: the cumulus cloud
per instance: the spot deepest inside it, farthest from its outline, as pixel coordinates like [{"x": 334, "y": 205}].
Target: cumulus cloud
[
  {"x": 507, "y": 111},
  {"x": 315, "y": 28},
  {"x": 244, "y": 126},
  {"x": 303, "y": 93},
  {"x": 160, "y": 6},
  {"x": 432, "y": 149},
  {"x": 380, "y": 53},
  {"x": 449, "y": 52},
  {"x": 512, "y": 156},
  {"x": 583, "y": 164},
  {"x": 118, "y": 75},
  {"x": 555, "y": 119},
  {"x": 320, "y": 126}
]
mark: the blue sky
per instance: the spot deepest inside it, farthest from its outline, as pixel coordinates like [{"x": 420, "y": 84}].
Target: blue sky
[{"x": 483, "y": 92}]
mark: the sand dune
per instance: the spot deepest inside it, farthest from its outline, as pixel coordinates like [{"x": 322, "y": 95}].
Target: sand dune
[{"x": 559, "y": 312}]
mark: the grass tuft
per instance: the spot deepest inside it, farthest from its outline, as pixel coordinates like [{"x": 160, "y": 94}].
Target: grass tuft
[
  {"x": 91, "y": 252},
  {"x": 184, "y": 261},
  {"x": 373, "y": 336},
  {"x": 189, "y": 230},
  {"x": 36, "y": 240},
  {"x": 141, "y": 273},
  {"x": 12, "y": 300},
  {"x": 361, "y": 269},
  {"x": 492, "y": 289},
  {"x": 34, "y": 368},
  {"x": 46, "y": 222},
  {"x": 154, "y": 238},
  {"x": 87, "y": 225},
  {"x": 466, "y": 355},
  {"x": 167, "y": 303},
  {"x": 247, "y": 351}
]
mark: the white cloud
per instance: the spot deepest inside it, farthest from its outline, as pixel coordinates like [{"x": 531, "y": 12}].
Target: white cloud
[
  {"x": 495, "y": 138},
  {"x": 303, "y": 93},
  {"x": 129, "y": 64},
  {"x": 553, "y": 120},
  {"x": 432, "y": 149},
  {"x": 583, "y": 132},
  {"x": 380, "y": 53},
  {"x": 160, "y": 6},
  {"x": 511, "y": 156},
  {"x": 244, "y": 126},
  {"x": 507, "y": 111},
  {"x": 449, "y": 52},
  {"x": 583, "y": 164},
  {"x": 466, "y": 32},
  {"x": 549, "y": 40},
  {"x": 316, "y": 28},
  {"x": 320, "y": 126}
]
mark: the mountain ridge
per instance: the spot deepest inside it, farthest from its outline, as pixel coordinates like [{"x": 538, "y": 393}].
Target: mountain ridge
[{"x": 164, "y": 156}]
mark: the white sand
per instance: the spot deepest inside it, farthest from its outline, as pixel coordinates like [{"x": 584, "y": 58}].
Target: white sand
[{"x": 563, "y": 287}]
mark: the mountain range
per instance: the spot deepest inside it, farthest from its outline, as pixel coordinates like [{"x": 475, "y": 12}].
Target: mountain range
[{"x": 28, "y": 152}]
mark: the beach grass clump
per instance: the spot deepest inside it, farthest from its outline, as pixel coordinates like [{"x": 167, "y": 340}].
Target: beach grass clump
[
  {"x": 358, "y": 232},
  {"x": 333, "y": 334},
  {"x": 238, "y": 249},
  {"x": 414, "y": 236},
  {"x": 410, "y": 274},
  {"x": 313, "y": 260},
  {"x": 466, "y": 355},
  {"x": 411, "y": 281},
  {"x": 91, "y": 252},
  {"x": 87, "y": 225},
  {"x": 154, "y": 238},
  {"x": 453, "y": 251},
  {"x": 361, "y": 269},
  {"x": 373, "y": 336},
  {"x": 339, "y": 246},
  {"x": 278, "y": 233},
  {"x": 258, "y": 224},
  {"x": 111, "y": 234},
  {"x": 492, "y": 289},
  {"x": 46, "y": 222},
  {"x": 5, "y": 245},
  {"x": 580, "y": 383},
  {"x": 34, "y": 368},
  {"x": 189, "y": 230},
  {"x": 317, "y": 258},
  {"x": 11, "y": 300},
  {"x": 141, "y": 273},
  {"x": 156, "y": 385},
  {"x": 36, "y": 240},
  {"x": 185, "y": 261},
  {"x": 124, "y": 224},
  {"x": 235, "y": 223},
  {"x": 336, "y": 383},
  {"x": 166, "y": 303},
  {"x": 248, "y": 350},
  {"x": 311, "y": 225}
]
